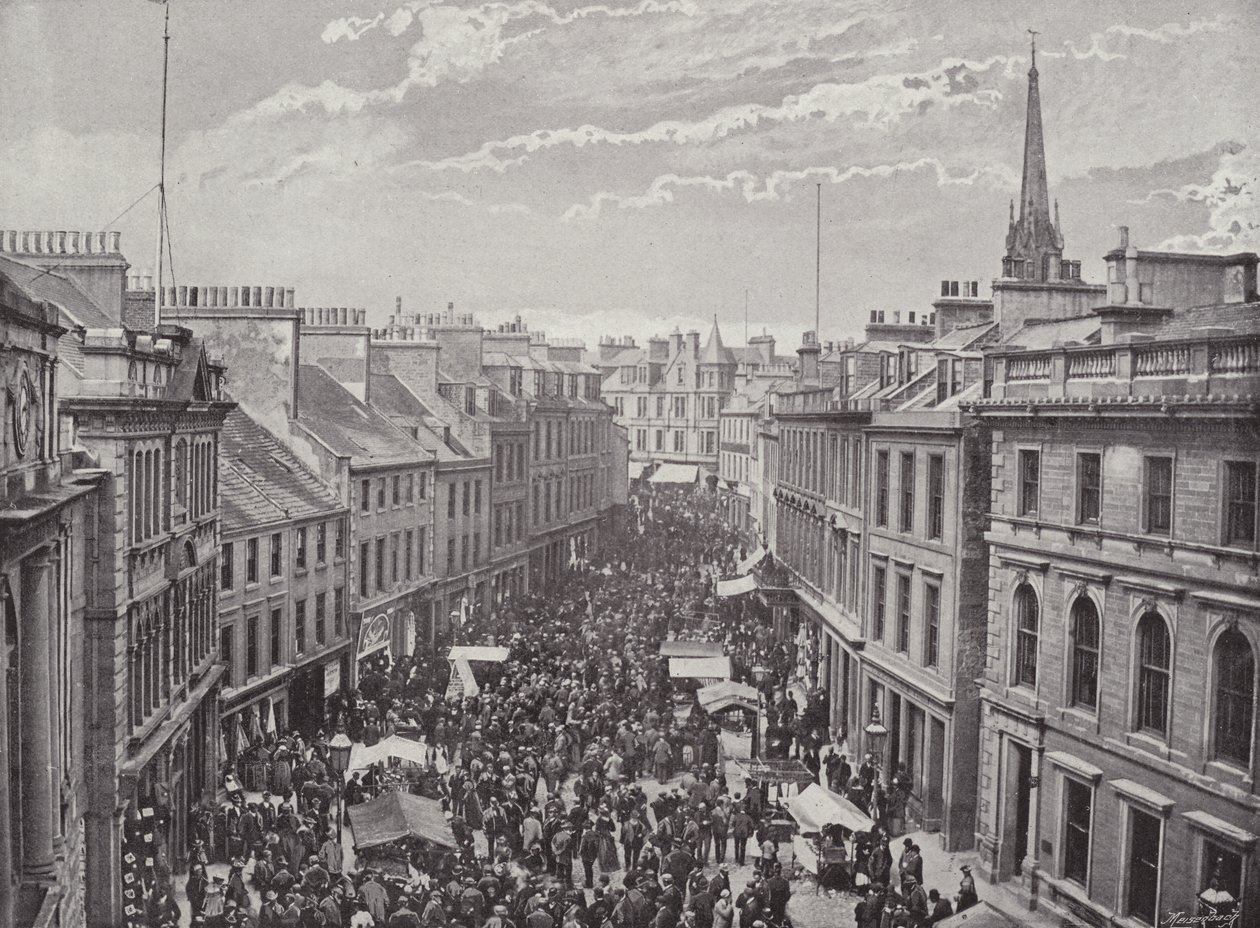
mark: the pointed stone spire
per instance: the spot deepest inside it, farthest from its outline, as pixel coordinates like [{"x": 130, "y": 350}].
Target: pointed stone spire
[
  {"x": 1034, "y": 201},
  {"x": 1034, "y": 246}
]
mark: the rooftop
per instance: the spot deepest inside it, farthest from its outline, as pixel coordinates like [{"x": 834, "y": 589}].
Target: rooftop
[{"x": 348, "y": 426}]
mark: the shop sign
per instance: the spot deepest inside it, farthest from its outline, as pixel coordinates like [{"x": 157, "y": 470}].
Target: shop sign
[
  {"x": 332, "y": 677},
  {"x": 374, "y": 634}
]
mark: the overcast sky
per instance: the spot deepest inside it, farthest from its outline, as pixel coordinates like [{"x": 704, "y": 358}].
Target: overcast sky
[{"x": 626, "y": 167}]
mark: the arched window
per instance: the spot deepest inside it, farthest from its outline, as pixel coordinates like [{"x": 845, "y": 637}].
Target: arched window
[
  {"x": 1234, "y": 665},
  {"x": 180, "y": 463},
  {"x": 158, "y": 495},
  {"x": 1085, "y": 641},
  {"x": 137, "y": 498},
  {"x": 1154, "y": 658},
  {"x": 1027, "y": 629}
]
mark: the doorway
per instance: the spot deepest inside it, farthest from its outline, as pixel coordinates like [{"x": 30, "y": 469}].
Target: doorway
[{"x": 1017, "y": 795}]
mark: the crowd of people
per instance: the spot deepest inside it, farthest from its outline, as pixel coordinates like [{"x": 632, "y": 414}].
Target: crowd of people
[{"x": 579, "y": 792}]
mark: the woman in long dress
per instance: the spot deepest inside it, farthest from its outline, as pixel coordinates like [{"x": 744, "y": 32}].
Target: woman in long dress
[{"x": 608, "y": 860}]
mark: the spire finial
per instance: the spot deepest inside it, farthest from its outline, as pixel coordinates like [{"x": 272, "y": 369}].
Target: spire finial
[
  {"x": 1033, "y": 33},
  {"x": 1012, "y": 209}
]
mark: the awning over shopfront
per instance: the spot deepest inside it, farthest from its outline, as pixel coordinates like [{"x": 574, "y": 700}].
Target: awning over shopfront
[
  {"x": 676, "y": 648},
  {"x": 394, "y": 815},
  {"x": 751, "y": 561},
  {"x": 636, "y": 469},
  {"x": 700, "y": 668},
  {"x": 816, "y": 807},
  {"x": 744, "y": 584},
  {"x": 718, "y": 697},
  {"x": 393, "y": 746},
  {"x": 676, "y": 473}
]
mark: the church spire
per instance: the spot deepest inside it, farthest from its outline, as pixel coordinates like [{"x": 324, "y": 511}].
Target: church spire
[{"x": 1033, "y": 243}]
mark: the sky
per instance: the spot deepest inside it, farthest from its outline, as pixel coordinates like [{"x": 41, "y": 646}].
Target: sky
[{"x": 628, "y": 167}]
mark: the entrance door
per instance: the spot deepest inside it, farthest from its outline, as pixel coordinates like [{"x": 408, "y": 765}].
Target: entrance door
[
  {"x": 1022, "y": 803},
  {"x": 306, "y": 700},
  {"x": 893, "y": 722}
]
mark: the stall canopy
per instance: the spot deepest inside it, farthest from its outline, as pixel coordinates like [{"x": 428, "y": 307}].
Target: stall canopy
[
  {"x": 691, "y": 649},
  {"x": 675, "y": 473},
  {"x": 744, "y": 584},
  {"x": 363, "y": 756},
  {"x": 816, "y": 807},
  {"x": 393, "y": 816},
  {"x": 777, "y": 771},
  {"x": 718, "y": 697},
  {"x": 636, "y": 469},
  {"x": 700, "y": 668},
  {"x": 478, "y": 653}
]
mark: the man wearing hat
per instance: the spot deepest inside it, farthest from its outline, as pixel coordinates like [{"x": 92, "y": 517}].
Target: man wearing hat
[
  {"x": 434, "y": 914},
  {"x": 941, "y": 909},
  {"x": 720, "y": 881},
  {"x": 778, "y": 892},
  {"x": 916, "y": 899},
  {"x": 270, "y": 912},
  {"x": 404, "y": 916}
]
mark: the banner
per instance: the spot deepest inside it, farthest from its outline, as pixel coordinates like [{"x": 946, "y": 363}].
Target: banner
[
  {"x": 374, "y": 634},
  {"x": 744, "y": 584}
]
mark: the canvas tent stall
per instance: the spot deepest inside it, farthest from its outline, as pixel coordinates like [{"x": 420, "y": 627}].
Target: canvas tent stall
[
  {"x": 727, "y": 694},
  {"x": 815, "y": 807},
  {"x": 681, "y": 474},
  {"x": 705, "y": 669},
  {"x": 394, "y": 816},
  {"x": 464, "y": 660},
  {"x": 403, "y": 748},
  {"x": 677, "y": 648}
]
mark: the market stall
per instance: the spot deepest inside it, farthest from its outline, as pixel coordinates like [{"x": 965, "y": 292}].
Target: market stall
[
  {"x": 704, "y": 669},
  {"x": 676, "y": 648},
  {"x": 827, "y": 824},
  {"x": 470, "y": 666},
  {"x": 391, "y": 828}
]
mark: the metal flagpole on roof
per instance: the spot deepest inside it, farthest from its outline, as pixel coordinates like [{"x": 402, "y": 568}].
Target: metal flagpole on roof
[{"x": 166, "y": 56}]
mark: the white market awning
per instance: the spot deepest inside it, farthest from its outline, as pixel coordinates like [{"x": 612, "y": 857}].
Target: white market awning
[
  {"x": 475, "y": 653},
  {"x": 700, "y": 668},
  {"x": 674, "y": 647},
  {"x": 744, "y": 584},
  {"x": 676, "y": 473},
  {"x": 717, "y": 697},
  {"x": 636, "y": 469},
  {"x": 363, "y": 756},
  {"x": 816, "y": 807}
]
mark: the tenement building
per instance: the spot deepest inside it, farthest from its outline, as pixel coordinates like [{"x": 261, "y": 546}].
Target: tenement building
[
  {"x": 146, "y": 405},
  {"x": 1118, "y": 758},
  {"x": 283, "y": 586}
]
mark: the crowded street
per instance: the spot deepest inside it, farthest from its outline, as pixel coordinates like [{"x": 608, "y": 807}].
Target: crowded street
[{"x": 580, "y": 784}]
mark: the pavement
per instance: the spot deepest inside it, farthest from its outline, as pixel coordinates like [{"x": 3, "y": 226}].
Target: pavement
[{"x": 808, "y": 906}]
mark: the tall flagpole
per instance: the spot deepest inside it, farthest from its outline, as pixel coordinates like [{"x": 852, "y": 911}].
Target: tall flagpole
[
  {"x": 818, "y": 264},
  {"x": 745, "y": 330},
  {"x": 166, "y": 56}
]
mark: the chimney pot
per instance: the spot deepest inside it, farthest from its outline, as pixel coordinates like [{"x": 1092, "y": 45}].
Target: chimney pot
[
  {"x": 61, "y": 243},
  {"x": 288, "y": 297},
  {"x": 269, "y": 296},
  {"x": 1124, "y": 236},
  {"x": 256, "y": 296},
  {"x": 115, "y": 242}
]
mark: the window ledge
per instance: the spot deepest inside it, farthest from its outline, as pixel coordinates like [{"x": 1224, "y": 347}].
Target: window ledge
[
  {"x": 1227, "y": 772},
  {"x": 299, "y": 572},
  {"x": 1151, "y": 744},
  {"x": 1144, "y": 796},
  {"x": 250, "y": 587},
  {"x": 1074, "y": 765}
]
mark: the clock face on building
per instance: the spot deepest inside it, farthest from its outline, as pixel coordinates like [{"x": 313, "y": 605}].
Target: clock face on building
[{"x": 23, "y": 414}]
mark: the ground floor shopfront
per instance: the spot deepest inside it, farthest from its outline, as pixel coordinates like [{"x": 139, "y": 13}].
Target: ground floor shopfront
[
  {"x": 146, "y": 824},
  {"x": 292, "y": 698}
]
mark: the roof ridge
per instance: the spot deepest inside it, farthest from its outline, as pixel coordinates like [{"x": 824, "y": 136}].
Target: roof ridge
[{"x": 236, "y": 465}]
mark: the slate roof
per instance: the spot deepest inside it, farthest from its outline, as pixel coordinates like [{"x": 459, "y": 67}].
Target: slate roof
[
  {"x": 349, "y": 426},
  {"x": 392, "y": 397},
  {"x": 714, "y": 351},
  {"x": 76, "y": 306},
  {"x": 262, "y": 481},
  {"x": 1243, "y": 318},
  {"x": 962, "y": 337},
  {"x": 1039, "y": 335}
]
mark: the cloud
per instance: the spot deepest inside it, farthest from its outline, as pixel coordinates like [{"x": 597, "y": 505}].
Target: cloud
[
  {"x": 1232, "y": 197},
  {"x": 774, "y": 186},
  {"x": 456, "y": 44},
  {"x": 454, "y": 196},
  {"x": 1101, "y": 44},
  {"x": 880, "y": 100},
  {"x": 350, "y": 28}
]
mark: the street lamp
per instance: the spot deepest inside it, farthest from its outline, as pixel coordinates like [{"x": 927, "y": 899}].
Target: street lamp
[
  {"x": 339, "y": 749},
  {"x": 876, "y": 735},
  {"x": 759, "y": 673}
]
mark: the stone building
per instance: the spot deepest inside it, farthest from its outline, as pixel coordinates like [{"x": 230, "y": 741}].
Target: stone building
[
  {"x": 283, "y": 586},
  {"x": 50, "y": 503},
  {"x": 1118, "y": 758}
]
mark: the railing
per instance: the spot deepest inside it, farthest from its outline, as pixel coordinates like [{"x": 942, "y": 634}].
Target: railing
[
  {"x": 1162, "y": 361},
  {"x": 1091, "y": 365},
  {"x": 1034, "y": 367},
  {"x": 1205, "y": 364},
  {"x": 1238, "y": 358}
]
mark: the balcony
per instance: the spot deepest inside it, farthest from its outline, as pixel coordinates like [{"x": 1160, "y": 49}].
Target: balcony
[
  {"x": 821, "y": 402},
  {"x": 1202, "y": 369}
]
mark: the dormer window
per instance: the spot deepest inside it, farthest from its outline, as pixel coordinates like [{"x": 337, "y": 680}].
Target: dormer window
[{"x": 682, "y": 372}]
